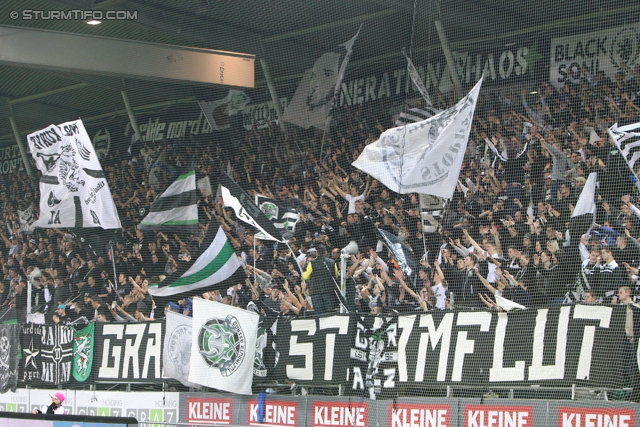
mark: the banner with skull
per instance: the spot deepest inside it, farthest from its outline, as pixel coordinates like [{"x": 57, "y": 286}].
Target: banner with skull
[
  {"x": 73, "y": 187},
  {"x": 9, "y": 348}
]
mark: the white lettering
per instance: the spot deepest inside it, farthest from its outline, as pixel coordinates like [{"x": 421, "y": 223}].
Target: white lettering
[
  {"x": 498, "y": 372},
  {"x": 284, "y": 415},
  {"x": 538, "y": 371},
  {"x": 463, "y": 345},
  {"x": 418, "y": 417},
  {"x": 113, "y": 371}
]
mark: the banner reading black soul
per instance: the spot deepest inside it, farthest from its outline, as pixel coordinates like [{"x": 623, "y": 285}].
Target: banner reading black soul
[{"x": 376, "y": 356}]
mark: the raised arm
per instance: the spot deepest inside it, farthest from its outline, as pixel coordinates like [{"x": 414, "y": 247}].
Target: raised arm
[
  {"x": 473, "y": 242},
  {"x": 400, "y": 276},
  {"x": 485, "y": 282}
]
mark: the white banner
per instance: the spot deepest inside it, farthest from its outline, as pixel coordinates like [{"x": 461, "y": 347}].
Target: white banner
[
  {"x": 146, "y": 407},
  {"x": 223, "y": 346},
  {"x": 609, "y": 50},
  {"x": 176, "y": 353},
  {"x": 423, "y": 157},
  {"x": 18, "y": 401},
  {"x": 73, "y": 188}
]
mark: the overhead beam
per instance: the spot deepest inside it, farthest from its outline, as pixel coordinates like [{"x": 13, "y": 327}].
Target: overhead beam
[
  {"x": 329, "y": 25},
  {"x": 47, "y": 93},
  {"x": 125, "y": 58}
]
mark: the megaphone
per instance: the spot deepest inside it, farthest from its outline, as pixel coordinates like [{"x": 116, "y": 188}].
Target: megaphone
[
  {"x": 36, "y": 274},
  {"x": 350, "y": 249}
]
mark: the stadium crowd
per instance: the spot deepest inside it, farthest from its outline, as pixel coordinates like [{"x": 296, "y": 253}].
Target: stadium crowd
[{"x": 503, "y": 234}]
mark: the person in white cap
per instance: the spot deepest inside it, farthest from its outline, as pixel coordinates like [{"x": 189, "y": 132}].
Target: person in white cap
[{"x": 55, "y": 407}]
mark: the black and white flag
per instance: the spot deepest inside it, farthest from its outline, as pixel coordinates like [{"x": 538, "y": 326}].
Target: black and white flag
[
  {"x": 627, "y": 139},
  {"x": 315, "y": 95},
  {"x": 282, "y": 214},
  {"x": 246, "y": 210},
  {"x": 47, "y": 354},
  {"x": 9, "y": 349},
  {"x": 175, "y": 210},
  {"x": 218, "y": 112},
  {"x": 27, "y": 218},
  {"x": 401, "y": 253},
  {"x": 73, "y": 188},
  {"x": 423, "y": 157}
]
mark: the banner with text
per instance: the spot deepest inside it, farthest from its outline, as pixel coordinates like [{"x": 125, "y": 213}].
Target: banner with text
[
  {"x": 556, "y": 346},
  {"x": 47, "y": 354},
  {"x": 612, "y": 50},
  {"x": 130, "y": 352}
]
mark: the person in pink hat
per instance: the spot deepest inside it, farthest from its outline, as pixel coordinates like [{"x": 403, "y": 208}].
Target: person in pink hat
[{"x": 56, "y": 405}]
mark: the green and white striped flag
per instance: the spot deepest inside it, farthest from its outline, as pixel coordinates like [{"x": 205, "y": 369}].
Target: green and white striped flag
[
  {"x": 176, "y": 210},
  {"x": 216, "y": 264}
]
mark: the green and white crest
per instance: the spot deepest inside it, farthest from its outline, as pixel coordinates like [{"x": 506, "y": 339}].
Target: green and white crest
[
  {"x": 270, "y": 210},
  {"x": 222, "y": 344},
  {"x": 83, "y": 352}
]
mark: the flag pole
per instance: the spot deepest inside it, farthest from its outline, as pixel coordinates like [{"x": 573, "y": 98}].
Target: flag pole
[
  {"x": 336, "y": 90},
  {"x": 286, "y": 242},
  {"x": 254, "y": 258}
]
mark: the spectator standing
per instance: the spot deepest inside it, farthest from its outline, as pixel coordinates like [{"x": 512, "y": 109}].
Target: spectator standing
[{"x": 321, "y": 274}]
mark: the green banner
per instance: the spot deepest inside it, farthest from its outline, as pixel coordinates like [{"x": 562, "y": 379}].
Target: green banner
[{"x": 83, "y": 352}]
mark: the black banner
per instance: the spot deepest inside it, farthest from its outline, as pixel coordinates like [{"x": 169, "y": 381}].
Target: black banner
[
  {"x": 375, "y": 356},
  {"x": 9, "y": 348},
  {"x": 47, "y": 354},
  {"x": 128, "y": 352}
]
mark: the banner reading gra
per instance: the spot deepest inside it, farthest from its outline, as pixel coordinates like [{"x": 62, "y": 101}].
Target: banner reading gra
[{"x": 130, "y": 352}]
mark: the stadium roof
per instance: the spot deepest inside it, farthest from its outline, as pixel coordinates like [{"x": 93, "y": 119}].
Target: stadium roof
[{"x": 288, "y": 34}]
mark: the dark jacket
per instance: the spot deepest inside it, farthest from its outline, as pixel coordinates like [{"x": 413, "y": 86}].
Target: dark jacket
[{"x": 322, "y": 278}]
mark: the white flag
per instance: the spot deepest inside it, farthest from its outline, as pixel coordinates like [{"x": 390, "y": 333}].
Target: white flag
[
  {"x": 73, "y": 188},
  {"x": 508, "y": 305},
  {"x": 27, "y": 218},
  {"x": 223, "y": 346},
  {"x": 423, "y": 157},
  {"x": 176, "y": 354}
]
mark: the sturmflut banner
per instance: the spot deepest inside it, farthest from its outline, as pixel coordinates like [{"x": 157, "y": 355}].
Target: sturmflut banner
[
  {"x": 373, "y": 357},
  {"x": 556, "y": 346}
]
